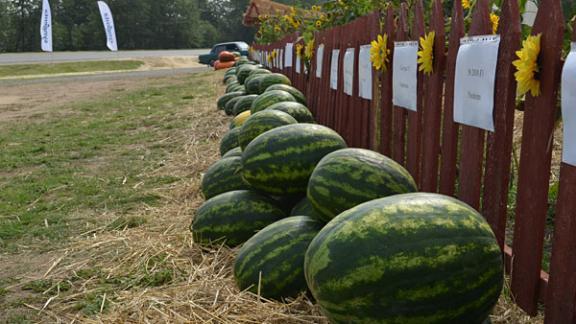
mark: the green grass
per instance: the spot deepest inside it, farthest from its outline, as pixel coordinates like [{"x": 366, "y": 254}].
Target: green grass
[
  {"x": 59, "y": 174},
  {"x": 72, "y": 67}
]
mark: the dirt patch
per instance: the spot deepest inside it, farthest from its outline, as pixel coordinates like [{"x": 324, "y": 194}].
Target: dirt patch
[
  {"x": 9, "y": 100},
  {"x": 172, "y": 62}
]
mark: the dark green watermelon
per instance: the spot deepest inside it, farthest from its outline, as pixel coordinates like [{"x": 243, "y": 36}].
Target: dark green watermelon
[
  {"x": 243, "y": 72},
  {"x": 280, "y": 161},
  {"x": 272, "y": 261},
  {"x": 234, "y": 216},
  {"x": 274, "y": 78},
  {"x": 252, "y": 84},
  {"x": 243, "y": 104},
  {"x": 294, "y": 109},
  {"x": 299, "y": 96},
  {"x": 223, "y": 176},
  {"x": 222, "y": 101},
  {"x": 262, "y": 122},
  {"x": 229, "y": 107},
  {"x": 269, "y": 98},
  {"x": 305, "y": 208},
  {"x": 410, "y": 258},
  {"x": 229, "y": 141},
  {"x": 237, "y": 151},
  {"x": 349, "y": 177}
]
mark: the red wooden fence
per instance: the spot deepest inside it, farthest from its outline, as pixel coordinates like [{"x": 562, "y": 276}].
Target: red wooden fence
[{"x": 459, "y": 160}]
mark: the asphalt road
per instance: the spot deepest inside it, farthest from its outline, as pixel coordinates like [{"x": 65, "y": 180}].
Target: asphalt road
[{"x": 58, "y": 57}]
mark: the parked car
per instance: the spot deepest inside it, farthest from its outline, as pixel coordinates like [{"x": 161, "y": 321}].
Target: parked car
[{"x": 211, "y": 57}]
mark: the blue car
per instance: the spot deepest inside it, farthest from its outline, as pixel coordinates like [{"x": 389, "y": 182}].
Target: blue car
[{"x": 212, "y": 57}]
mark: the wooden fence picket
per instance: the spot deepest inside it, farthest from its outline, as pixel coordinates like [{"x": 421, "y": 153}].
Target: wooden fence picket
[
  {"x": 386, "y": 106},
  {"x": 399, "y": 114}
]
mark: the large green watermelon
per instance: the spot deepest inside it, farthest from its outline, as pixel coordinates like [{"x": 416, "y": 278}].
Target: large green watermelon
[
  {"x": 272, "y": 261},
  {"x": 234, "y": 216},
  {"x": 305, "y": 208},
  {"x": 244, "y": 71},
  {"x": 280, "y": 161},
  {"x": 243, "y": 104},
  {"x": 262, "y": 122},
  {"x": 269, "y": 98},
  {"x": 294, "y": 109},
  {"x": 299, "y": 96},
  {"x": 274, "y": 78},
  {"x": 410, "y": 258},
  {"x": 237, "y": 151},
  {"x": 223, "y": 176},
  {"x": 349, "y": 177},
  {"x": 252, "y": 84},
  {"x": 229, "y": 141},
  {"x": 222, "y": 101},
  {"x": 229, "y": 107}
]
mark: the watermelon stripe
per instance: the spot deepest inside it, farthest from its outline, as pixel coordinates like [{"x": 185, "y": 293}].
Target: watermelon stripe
[
  {"x": 261, "y": 122},
  {"x": 223, "y": 176}
]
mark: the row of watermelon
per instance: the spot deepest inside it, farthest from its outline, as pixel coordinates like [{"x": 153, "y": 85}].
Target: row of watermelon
[{"x": 346, "y": 224}]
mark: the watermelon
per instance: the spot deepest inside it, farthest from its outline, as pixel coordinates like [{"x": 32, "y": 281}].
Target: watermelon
[
  {"x": 243, "y": 72},
  {"x": 410, "y": 258},
  {"x": 274, "y": 78},
  {"x": 280, "y": 161},
  {"x": 261, "y": 122},
  {"x": 231, "y": 85},
  {"x": 231, "y": 71},
  {"x": 223, "y": 176},
  {"x": 294, "y": 109},
  {"x": 234, "y": 216},
  {"x": 229, "y": 107},
  {"x": 269, "y": 98},
  {"x": 229, "y": 141},
  {"x": 252, "y": 84},
  {"x": 299, "y": 96},
  {"x": 241, "y": 118},
  {"x": 237, "y": 151},
  {"x": 236, "y": 87},
  {"x": 349, "y": 177},
  {"x": 259, "y": 71},
  {"x": 229, "y": 79},
  {"x": 304, "y": 208},
  {"x": 223, "y": 100},
  {"x": 243, "y": 104},
  {"x": 272, "y": 261}
]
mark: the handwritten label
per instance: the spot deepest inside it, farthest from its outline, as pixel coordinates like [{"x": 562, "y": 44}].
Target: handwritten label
[
  {"x": 475, "y": 79},
  {"x": 334, "y": 69},
  {"x": 404, "y": 75},
  {"x": 319, "y": 60},
  {"x": 298, "y": 64},
  {"x": 569, "y": 107},
  {"x": 288, "y": 55},
  {"x": 364, "y": 73},
  {"x": 349, "y": 71}
]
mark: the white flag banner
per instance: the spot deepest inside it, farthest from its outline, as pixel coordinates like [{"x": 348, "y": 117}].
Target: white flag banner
[
  {"x": 46, "y": 27},
  {"x": 108, "y": 22}
]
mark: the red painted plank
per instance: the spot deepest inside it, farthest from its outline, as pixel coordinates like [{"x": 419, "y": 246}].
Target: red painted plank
[
  {"x": 472, "y": 137},
  {"x": 499, "y": 150},
  {"x": 386, "y": 106},
  {"x": 534, "y": 173},
  {"x": 399, "y": 114},
  {"x": 432, "y": 107}
]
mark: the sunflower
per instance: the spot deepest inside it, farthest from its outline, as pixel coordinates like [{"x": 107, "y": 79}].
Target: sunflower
[
  {"x": 426, "y": 54},
  {"x": 495, "y": 21},
  {"x": 299, "y": 48},
  {"x": 277, "y": 29},
  {"x": 379, "y": 52},
  {"x": 527, "y": 67},
  {"x": 318, "y": 23},
  {"x": 309, "y": 49},
  {"x": 269, "y": 57},
  {"x": 466, "y": 4}
]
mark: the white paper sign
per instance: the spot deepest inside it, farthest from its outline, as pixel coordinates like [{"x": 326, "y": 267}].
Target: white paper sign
[
  {"x": 364, "y": 73},
  {"x": 349, "y": 71},
  {"x": 298, "y": 64},
  {"x": 404, "y": 75},
  {"x": 475, "y": 79},
  {"x": 569, "y": 107},
  {"x": 334, "y": 69},
  {"x": 288, "y": 55},
  {"x": 319, "y": 60}
]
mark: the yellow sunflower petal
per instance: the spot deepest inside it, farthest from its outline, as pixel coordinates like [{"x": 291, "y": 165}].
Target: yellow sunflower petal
[{"x": 527, "y": 66}]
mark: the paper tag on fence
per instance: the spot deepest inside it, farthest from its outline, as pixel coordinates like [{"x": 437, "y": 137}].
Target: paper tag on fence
[
  {"x": 298, "y": 64},
  {"x": 334, "y": 69},
  {"x": 405, "y": 75},
  {"x": 280, "y": 61},
  {"x": 475, "y": 79},
  {"x": 365, "y": 73},
  {"x": 288, "y": 55},
  {"x": 349, "y": 71},
  {"x": 569, "y": 107},
  {"x": 319, "y": 60}
]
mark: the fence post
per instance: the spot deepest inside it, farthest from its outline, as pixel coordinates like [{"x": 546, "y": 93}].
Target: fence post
[
  {"x": 499, "y": 149},
  {"x": 399, "y": 114},
  {"x": 534, "y": 174},
  {"x": 386, "y": 106},
  {"x": 432, "y": 112}
]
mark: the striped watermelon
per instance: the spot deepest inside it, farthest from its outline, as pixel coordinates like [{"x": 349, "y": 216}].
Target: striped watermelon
[
  {"x": 243, "y": 104},
  {"x": 261, "y": 122},
  {"x": 259, "y": 71},
  {"x": 222, "y": 101},
  {"x": 299, "y": 96},
  {"x": 229, "y": 79},
  {"x": 229, "y": 107},
  {"x": 252, "y": 84},
  {"x": 234, "y": 216},
  {"x": 304, "y": 208},
  {"x": 223, "y": 176},
  {"x": 229, "y": 141},
  {"x": 237, "y": 151},
  {"x": 410, "y": 258},
  {"x": 269, "y": 98},
  {"x": 280, "y": 161},
  {"x": 274, "y": 78},
  {"x": 349, "y": 177},
  {"x": 294, "y": 109},
  {"x": 244, "y": 71},
  {"x": 272, "y": 261}
]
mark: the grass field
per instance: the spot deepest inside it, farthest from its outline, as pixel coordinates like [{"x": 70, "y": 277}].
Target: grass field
[
  {"x": 99, "y": 197},
  {"x": 72, "y": 67}
]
